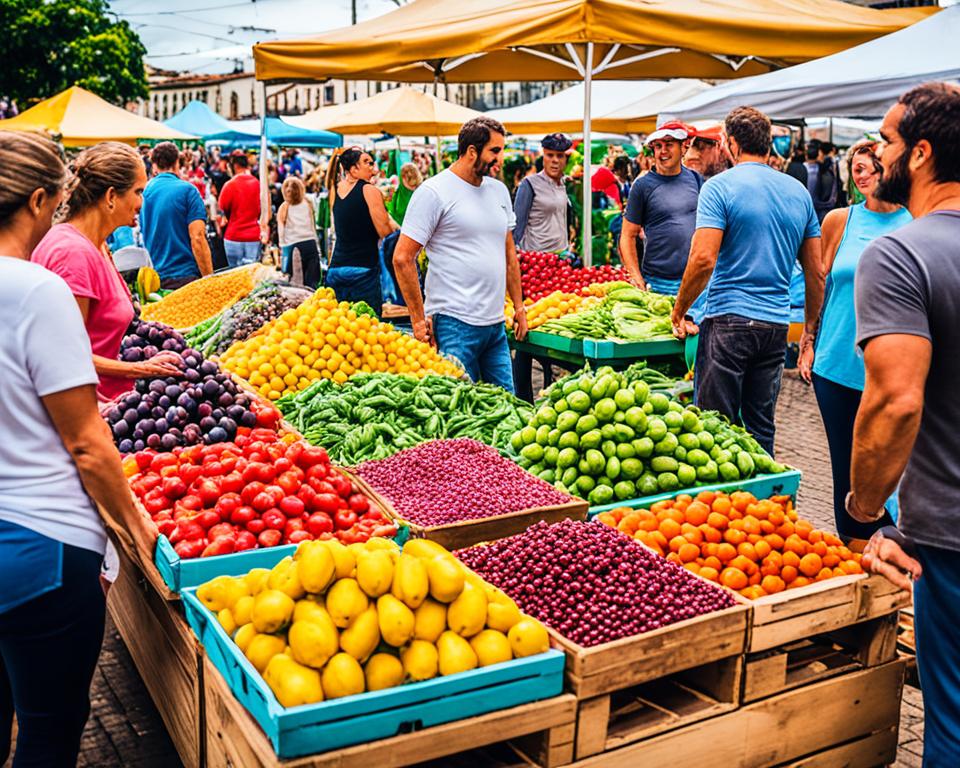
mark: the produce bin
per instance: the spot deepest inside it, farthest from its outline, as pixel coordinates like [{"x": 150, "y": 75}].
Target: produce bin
[
  {"x": 373, "y": 715},
  {"x": 762, "y": 486},
  {"x": 556, "y": 342},
  {"x": 597, "y": 349}
]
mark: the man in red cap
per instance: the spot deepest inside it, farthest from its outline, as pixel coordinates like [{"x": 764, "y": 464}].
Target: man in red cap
[
  {"x": 663, "y": 206},
  {"x": 705, "y": 153}
]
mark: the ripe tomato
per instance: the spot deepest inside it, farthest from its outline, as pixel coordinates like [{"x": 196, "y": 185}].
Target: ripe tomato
[
  {"x": 269, "y": 538},
  {"x": 319, "y": 523},
  {"x": 344, "y": 519}
]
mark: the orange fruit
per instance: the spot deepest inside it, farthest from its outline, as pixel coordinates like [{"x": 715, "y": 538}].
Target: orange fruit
[
  {"x": 785, "y": 530},
  {"x": 741, "y": 500},
  {"x": 706, "y": 497},
  {"x": 733, "y": 578},
  {"x": 754, "y": 580},
  {"x": 683, "y": 498},
  {"x": 711, "y": 534},
  {"x": 772, "y": 584},
  {"x": 726, "y": 552},
  {"x": 831, "y": 559},
  {"x": 820, "y": 547},
  {"x": 800, "y": 581},
  {"x": 762, "y": 548},
  {"x": 718, "y": 521},
  {"x": 676, "y": 514},
  {"x": 660, "y": 506},
  {"x": 713, "y": 561},
  {"x": 825, "y": 573},
  {"x": 697, "y": 513},
  {"x": 832, "y": 539},
  {"x": 776, "y": 517},
  {"x": 641, "y": 536},
  {"x": 795, "y": 544},
  {"x": 733, "y": 536},
  {"x": 656, "y": 537},
  {"x": 791, "y": 558},
  {"x": 688, "y": 552},
  {"x": 815, "y": 537},
  {"x": 676, "y": 542},
  {"x": 669, "y": 528},
  {"x": 775, "y": 540},
  {"x": 709, "y": 572},
  {"x": 748, "y": 551},
  {"x": 850, "y": 566},
  {"x": 691, "y": 566},
  {"x": 789, "y": 574},
  {"x": 721, "y": 505},
  {"x": 811, "y": 564},
  {"x": 751, "y": 524},
  {"x": 752, "y": 592},
  {"x": 673, "y": 557},
  {"x": 745, "y": 564}
]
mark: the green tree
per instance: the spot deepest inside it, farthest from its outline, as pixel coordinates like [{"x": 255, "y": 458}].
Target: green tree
[{"x": 50, "y": 45}]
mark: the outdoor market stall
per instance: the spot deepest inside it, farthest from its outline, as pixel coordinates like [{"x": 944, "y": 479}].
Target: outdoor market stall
[
  {"x": 80, "y": 119},
  {"x": 374, "y": 523},
  {"x": 480, "y": 41}
]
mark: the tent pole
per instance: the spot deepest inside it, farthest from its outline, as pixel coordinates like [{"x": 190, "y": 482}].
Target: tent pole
[
  {"x": 586, "y": 225},
  {"x": 264, "y": 172}
]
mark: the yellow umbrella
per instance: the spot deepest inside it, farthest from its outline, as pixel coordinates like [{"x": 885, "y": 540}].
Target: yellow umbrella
[
  {"x": 400, "y": 111},
  {"x": 535, "y": 40},
  {"x": 81, "y": 118}
]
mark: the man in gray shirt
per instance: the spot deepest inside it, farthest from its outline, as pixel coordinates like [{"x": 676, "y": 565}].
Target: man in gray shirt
[
  {"x": 907, "y": 295},
  {"x": 541, "y": 202}
]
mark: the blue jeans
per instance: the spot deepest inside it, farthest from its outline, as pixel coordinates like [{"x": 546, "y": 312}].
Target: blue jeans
[
  {"x": 738, "y": 370},
  {"x": 936, "y": 601},
  {"x": 356, "y": 284},
  {"x": 838, "y": 409},
  {"x": 239, "y": 253},
  {"x": 481, "y": 349}
]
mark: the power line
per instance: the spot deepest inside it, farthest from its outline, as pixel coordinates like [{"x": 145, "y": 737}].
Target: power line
[{"x": 192, "y": 10}]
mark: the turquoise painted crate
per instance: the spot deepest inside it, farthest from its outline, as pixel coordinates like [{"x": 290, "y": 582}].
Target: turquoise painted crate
[
  {"x": 762, "y": 486},
  {"x": 597, "y": 349},
  {"x": 557, "y": 342},
  {"x": 315, "y": 728},
  {"x": 179, "y": 574}
]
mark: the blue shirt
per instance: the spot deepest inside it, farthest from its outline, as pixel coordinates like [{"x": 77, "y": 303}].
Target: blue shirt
[
  {"x": 836, "y": 358},
  {"x": 765, "y": 215},
  {"x": 666, "y": 208},
  {"x": 170, "y": 205}
]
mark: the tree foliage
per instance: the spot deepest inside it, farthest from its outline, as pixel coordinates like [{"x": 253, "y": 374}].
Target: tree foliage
[{"x": 50, "y": 45}]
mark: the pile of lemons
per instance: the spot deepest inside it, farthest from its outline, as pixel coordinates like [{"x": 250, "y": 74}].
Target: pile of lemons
[
  {"x": 325, "y": 339},
  {"x": 337, "y": 620},
  {"x": 556, "y": 304}
]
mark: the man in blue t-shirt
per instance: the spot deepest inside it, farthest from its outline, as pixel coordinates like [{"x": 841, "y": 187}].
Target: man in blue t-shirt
[
  {"x": 174, "y": 222},
  {"x": 663, "y": 206},
  {"x": 753, "y": 223}
]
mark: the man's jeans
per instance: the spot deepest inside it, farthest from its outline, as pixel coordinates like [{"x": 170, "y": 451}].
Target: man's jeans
[
  {"x": 738, "y": 370},
  {"x": 481, "y": 349},
  {"x": 239, "y": 253}
]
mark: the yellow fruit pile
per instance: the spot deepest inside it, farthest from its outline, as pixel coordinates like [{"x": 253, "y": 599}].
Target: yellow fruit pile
[
  {"x": 339, "y": 620},
  {"x": 201, "y": 299},
  {"x": 556, "y": 304},
  {"x": 325, "y": 339}
]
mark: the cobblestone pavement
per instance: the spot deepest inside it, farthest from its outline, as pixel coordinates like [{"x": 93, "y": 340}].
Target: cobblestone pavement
[{"x": 125, "y": 730}]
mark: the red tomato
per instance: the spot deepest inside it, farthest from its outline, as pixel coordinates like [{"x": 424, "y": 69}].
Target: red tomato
[
  {"x": 345, "y": 518},
  {"x": 266, "y": 473},
  {"x": 190, "y": 473},
  {"x": 207, "y": 519},
  {"x": 311, "y": 456},
  {"x": 187, "y": 530},
  {"x": 326, "y": 502},
  {"x": 256, "y": 526},
  {"x": 289, "y": 482},
  {"x": 282, "y": 464},
  {"x": 212, "y": 469},
  {"x": 358, "y": 503},
  {"x": 276, "y": 492},
  {"x": 144, "y": 458},
  {"x": 262, "y": 501},
  {"x": 192, "y": 502},
  {"x": 243, "y": 516},
  {"x": 269, "y": 538},
  {"x": 245, "y": 541},
  {"x": 317, "y": 472},
  {"x": 297, "y": 536},
  {"x": 342, "y": 485},
  {"x": 232, "y": 483},
  {"x": 224, "y": 545},
  {"x": 250, "y": 490},
  {"x": 174, "y": 487},
  {"x": 291, "y": 506},
  {"x": 166, "y": 527},
  {"x": 209, "y": 491},
  {"x": 221, "y": 530},
  {"x": 322, "y": 486},
  {"x": 274, "y": 518},
  {"x": 293, "y": 451},
  {"x": 294, "y": 524},
  {"x": 162, "y": 460},
  {"x": 319, "y": 523},
  {"x": 189, "y": 549}
]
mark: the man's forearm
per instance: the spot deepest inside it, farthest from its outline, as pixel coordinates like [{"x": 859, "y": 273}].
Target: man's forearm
[
  {"x": 883, "y": 438},
  {"x": 695, "y": 279},
  {"x": 514, "y": 286},
  {"x": 201, "y": 252},
  {"x": 409, "y": 283},
  {"x": 628, "y": 252},
  {"x": 813, "y": 278}
]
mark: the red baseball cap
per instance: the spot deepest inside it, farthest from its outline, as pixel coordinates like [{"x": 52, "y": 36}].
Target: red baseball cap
[{"x": 710, "y": 133}]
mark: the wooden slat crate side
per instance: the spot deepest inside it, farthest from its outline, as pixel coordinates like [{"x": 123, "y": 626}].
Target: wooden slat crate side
[
  {"x": 633, "y": 660},
  {"x": 878, "y": 748},
  {"x": 867, "y": 644},
  {"x": 880, "y": 597},
  {"x": 235, "y": 741},
  {"x": 547, "y": 749},
  {"x": 779, "y": 729},
  {"x": 165, "y": 653}
]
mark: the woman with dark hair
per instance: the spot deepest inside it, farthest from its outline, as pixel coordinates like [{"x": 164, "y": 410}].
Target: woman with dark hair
[
  {"x": 360, "y": 219},
  {"x": 830, "y": 361},
  {"x": 104, "y": 192},
  {"x": 57, "y": 459}
]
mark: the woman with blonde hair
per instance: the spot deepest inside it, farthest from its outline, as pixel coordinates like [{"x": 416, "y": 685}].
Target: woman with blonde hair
[
  {"x": 57, "y": 459},
  {"x": 410, "y": 179},
  {"x": 104, "y": 192},
  {"x": 295, "y": 224},
  {"x": 830, "y": 361}
]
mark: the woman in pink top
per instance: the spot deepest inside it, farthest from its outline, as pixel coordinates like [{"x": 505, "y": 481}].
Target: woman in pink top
[{"x": 106, "y": 192}]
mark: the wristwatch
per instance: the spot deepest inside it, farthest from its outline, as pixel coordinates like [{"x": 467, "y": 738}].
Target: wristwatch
[{"x": 850, "y": 504}]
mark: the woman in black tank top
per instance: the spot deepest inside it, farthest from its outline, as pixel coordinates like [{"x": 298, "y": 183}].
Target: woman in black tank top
[{"x": 360, "y": 219}]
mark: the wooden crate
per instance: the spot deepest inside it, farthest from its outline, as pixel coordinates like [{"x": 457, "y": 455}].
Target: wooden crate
[
  {"x": 821, "y": 607},
  {"x": 466, "y": 533},
  {"x": 166, "y": 654},
  {"x": 858, "y": 646},
  {"x": 815, "y": 726},
  {"x": 233, "y": 739}
]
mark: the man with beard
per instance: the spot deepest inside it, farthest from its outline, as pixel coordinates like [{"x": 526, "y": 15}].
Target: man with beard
[
  {"x": 464, "y": 219},
  {"x": 705, "y": 154},
  {"x": 907, "y": 295}
]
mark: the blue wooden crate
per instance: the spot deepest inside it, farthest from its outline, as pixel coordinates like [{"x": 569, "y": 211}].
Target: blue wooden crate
[
  {"x": 179, "y": 574},
  {"x": 556, "y": 341},
  {"x": 762, "y": 486},
  {"x": 597, "y": 349},
  {"x": 315, "y": 728}
]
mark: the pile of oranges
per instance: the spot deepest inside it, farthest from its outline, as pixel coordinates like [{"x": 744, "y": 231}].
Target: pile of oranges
[
  {"x": 556, "y": 304},
  {"x": 756, "y": 547},
  {"x": 325, "y": 339}
]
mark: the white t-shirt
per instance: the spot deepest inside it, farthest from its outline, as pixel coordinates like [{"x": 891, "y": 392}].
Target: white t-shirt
[
  {"x": 44, "y": 349},
  {"x": 464, "y": 230}
]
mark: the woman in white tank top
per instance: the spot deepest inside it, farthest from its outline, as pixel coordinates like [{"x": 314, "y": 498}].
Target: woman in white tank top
[{"x": 295, "y": 221}]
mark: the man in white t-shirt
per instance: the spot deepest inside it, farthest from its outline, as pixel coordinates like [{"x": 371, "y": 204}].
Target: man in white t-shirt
[{"x": 464, "y": 219}]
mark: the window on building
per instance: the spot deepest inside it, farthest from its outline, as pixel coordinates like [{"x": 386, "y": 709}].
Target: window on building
[
  {"x": 234, "y": 106},
  {"x": 328, "y": 94},
  {"x": 379, "y": 87},
  {"x": 166, "y": 114}
]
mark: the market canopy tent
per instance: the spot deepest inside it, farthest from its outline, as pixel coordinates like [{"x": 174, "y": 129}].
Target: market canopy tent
[
  {"x": 399, "y": 111},
  {"x": 860, "y": 82},
  {"x": 198, "y": 119},
  {"x": 279, "y": 133},
  {"x": 617, "y": 106},
  {"x": 80, "y": 119},
  {"x": 510, "y": 40}
]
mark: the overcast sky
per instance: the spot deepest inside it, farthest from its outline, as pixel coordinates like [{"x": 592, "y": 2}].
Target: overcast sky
[{"x": 208, "y": 36}]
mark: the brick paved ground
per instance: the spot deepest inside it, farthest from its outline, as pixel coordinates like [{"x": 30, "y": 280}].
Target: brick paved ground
[{"x": 125, "y": 730}]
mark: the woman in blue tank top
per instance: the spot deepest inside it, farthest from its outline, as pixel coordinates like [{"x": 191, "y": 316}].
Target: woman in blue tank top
[{"x": 832, "y": 361}]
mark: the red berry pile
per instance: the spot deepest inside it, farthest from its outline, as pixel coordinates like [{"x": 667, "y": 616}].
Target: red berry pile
[
  {"x": 445, "y": 481},
  {"x": 255, "y": 492},
  {"x": 590, "y": 583},
  {"x": 543, "y": 273}
]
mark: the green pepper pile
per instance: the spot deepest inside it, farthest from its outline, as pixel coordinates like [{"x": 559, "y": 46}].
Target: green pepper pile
[{"x": 374, "y": 415}]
